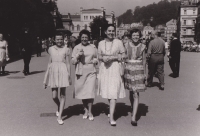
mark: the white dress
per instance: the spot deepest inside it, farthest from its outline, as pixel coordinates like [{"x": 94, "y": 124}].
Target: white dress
[
  {"x": 3, "y": 46},
  {"x": 57, "y": 74},
  {"x": 110, "y": 83}
]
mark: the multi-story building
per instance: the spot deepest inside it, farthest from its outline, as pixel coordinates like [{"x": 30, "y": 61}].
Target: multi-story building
[
  {"x": 171, "y": 27},
  {"x": 82, "y": 21},
  {"x": 147, "y": 29},
  {"x": 186, "y": 20},
  {"x": 122, "y": 29},
  {"x": 197, "y": 26},
  {"x": 161, "y": 29}
]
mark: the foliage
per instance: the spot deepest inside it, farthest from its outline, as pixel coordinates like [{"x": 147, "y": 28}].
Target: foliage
[
  {"x": 97, "y": 27},
  {"x": 17, "y": 14},
  {"x": 161, "y": 12}
]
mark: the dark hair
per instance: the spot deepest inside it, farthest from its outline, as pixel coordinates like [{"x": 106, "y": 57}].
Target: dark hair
[
  {"x": 159, "y": 34},
  {"x": 175, "y": 35},
  {"x": 108, "y": 25},
  {"x": 135, "y": 31},
  {"x": 86, "y": 32},
  {"x": 59, "y": 34}
]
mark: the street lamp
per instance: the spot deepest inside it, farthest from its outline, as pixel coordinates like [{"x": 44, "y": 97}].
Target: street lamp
[{"x": 100, "y": 31}]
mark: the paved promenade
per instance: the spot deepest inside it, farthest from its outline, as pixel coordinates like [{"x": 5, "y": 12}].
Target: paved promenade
[{"x": 26, "y": 109}]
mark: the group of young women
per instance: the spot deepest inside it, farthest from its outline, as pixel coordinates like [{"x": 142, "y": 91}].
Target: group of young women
[{"x": 121, "y": 68}]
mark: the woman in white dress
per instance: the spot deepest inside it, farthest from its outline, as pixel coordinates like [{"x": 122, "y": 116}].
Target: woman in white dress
[
  {"x": 3, "y": 53},
  {"x": 110, "y": 53}
]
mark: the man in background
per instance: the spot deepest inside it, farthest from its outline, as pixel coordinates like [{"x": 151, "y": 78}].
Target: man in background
[
  {"x": 174, "y": 55},
  {"x": 155, "y": 58}
]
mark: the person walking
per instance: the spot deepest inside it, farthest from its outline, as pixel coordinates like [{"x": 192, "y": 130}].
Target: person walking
[
  {"x": 135, "y": 74},
  {"x": 3, "y": 53},
  {"x": 26, "y": 50},
  {"x": 38, "y": 47},
  {"x": 84, "y": 57},
  {"x": 155, "y": 57},
  {"x": 58, "y": 74},
  {"x": 110, "y": 54},
  {"x": 174, "y": 55}
]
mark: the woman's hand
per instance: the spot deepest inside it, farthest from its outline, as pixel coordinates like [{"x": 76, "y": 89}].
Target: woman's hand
[
  {"x": 70, "y": 81},
  {"x": 80, "y": 53},
  {"x": 95, "y": 61},
  {"x": 105, "y": 59}
]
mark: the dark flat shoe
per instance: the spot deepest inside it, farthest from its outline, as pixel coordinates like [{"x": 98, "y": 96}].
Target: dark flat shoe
[{"x": 134, "y": 123}]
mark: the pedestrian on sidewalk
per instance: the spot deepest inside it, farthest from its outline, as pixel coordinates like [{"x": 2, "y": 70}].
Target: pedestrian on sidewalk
[
  {"x": 58, "y": 73},
  {"x": 110, "y": 85},
  {"x": 3, "y": 53},
  {"x": 155, "y": 57},
  {"x": 135, "y": 72},
  {"x": 174, "y": 55},
  {"x": 38, "y": 47},
  {"x": 26, "y": 48},
  {"x": 84, "y": 57}
]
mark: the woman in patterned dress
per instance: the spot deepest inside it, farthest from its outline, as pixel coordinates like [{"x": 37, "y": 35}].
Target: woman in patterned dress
[
  {"x": 135, "y": 71},
  {"x": 3, "y": 53},
  {"x": 110, "y": 52},
  {"x": 84, "y": 57},
  {"x": 58, "y": 73}
]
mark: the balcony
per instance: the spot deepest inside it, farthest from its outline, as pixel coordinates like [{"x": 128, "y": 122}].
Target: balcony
[
  {"x": 186, "y": 25},
  {"x": 187, "y": 34}
]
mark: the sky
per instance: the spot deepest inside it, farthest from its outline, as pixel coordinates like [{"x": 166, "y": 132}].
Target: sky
[{"x": 118, "y": 6}]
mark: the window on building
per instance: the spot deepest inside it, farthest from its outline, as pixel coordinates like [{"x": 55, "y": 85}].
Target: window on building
[
  {"x": 185, "y": 12},
  {"x": 72, "y": 27},
  {"x": 78, "y": 27},
  {"x": 184, "y": 31},
  {"x": 194, "y": 11},
  {"x": 86, "y": 17},
  {"x": 193, "y": 22},
  {"x": 85, "y": 26},
  {"x": 184, "y": 22}
]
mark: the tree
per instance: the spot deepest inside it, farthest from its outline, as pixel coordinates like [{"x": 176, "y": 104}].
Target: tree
[
  {"x": 15, "y": 14},
  {"x": 98, "y": 26}
]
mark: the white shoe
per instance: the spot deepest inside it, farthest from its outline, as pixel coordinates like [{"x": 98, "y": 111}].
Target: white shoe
[
  {"x": 57, "y": 113},
  {"x": 60, "y": 121}
]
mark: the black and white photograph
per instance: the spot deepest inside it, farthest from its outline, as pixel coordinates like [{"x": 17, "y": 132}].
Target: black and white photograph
[{"x": 100, "y": 67}]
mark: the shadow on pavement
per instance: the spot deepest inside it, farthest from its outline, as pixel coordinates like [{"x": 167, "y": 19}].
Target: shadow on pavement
[
  {"x": 155, "y": 84},
  {"x": 123, "y": 110},
  {"x": 142, "y": 111},
  {"x": 100, "y": 108},
  {"x": 36, "y": 72},
  {"x": 9, "y": 72},
  {"x": 198, "y": 108},
  {"x": 73, "y": 110}
]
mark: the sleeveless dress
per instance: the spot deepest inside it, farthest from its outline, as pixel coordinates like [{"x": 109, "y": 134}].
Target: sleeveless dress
[
  {"x": 3, "y": 45},
  {"x": 57, "y": 74},
  {"x": 85, "y": 81},
  {"x": 134, "y": 76},
  {"x": 110, "y": 84}
]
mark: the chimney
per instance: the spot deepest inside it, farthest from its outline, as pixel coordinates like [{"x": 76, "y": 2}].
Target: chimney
[{"x": 81, "y": 8}]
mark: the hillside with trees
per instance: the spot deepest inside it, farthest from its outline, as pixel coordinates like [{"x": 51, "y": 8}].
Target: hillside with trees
[{"x": 161, "y": 12}]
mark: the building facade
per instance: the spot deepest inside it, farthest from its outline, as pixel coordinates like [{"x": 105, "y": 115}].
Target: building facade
[
  {"x": 82, "y": 21},
  {"x": 171, "y": 27},
  {"x": 147, "y": 29},
  {"x": 187, "y": 20}
]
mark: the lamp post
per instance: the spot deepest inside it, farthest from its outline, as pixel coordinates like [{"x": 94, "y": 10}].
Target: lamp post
[{"x": 100, "y": 31}]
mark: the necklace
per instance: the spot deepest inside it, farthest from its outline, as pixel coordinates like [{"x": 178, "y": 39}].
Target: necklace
[{"x": 108, "y": 50}]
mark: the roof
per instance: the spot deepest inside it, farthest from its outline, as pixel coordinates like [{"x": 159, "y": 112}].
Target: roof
[
  {"x": 76, "y": 17},
  {"x": 92, "y": 9}
]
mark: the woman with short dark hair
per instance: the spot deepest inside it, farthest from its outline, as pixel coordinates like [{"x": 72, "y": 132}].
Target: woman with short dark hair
[
  {"x": 134, "y": 71},
  {"x": 84, "y": 57}
]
